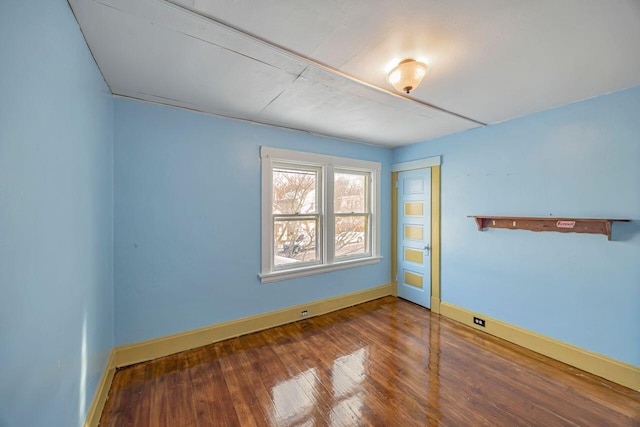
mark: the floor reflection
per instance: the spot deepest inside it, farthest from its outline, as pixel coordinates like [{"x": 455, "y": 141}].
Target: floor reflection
[
  {"x": 387, "y": 362},
  {"x": 294, "y": 399},
  {"x": 348, "y": 412},
  {"x": 343, "y": 387},
  {"x": 433, "y": 395},
  {"x": 348, "y": 372}
]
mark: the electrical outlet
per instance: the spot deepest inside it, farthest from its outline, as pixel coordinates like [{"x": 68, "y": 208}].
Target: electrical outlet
[
  {"x": 304, "y": 313},
  {"x": 478, "y": 321}
]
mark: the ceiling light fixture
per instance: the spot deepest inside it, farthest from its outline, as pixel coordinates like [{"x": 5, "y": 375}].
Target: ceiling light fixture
[{"x": 407, "y": 75}]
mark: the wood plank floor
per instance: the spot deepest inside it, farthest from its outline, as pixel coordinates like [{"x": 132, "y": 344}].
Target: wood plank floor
[{"x": 384, "y": 363}]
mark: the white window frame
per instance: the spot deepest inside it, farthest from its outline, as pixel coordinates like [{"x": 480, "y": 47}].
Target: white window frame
[
  {"x": 367, "y": 212},
  {"x": 318, "y": 214},
  {"x": 328, "y": 261}
]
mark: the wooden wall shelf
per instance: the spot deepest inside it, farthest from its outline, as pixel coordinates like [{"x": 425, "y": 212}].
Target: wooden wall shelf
[{"x": 562, "y": 225}]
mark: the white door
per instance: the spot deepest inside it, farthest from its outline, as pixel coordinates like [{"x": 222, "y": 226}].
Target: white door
[{"x": 414, "y": 236}]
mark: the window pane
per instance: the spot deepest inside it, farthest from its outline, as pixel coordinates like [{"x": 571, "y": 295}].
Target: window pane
[
  {"x": 350, "y": 192},
  {"x": 351, "y": 235},
  {"x": 294, "y": 191},
  {"x": 295, "y": 241}
]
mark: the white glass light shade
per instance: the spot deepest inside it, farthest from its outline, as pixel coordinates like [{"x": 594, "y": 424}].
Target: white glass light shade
[{"x": 407, "y": 75}]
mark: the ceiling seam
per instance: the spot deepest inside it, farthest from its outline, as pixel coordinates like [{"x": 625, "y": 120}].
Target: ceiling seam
[
  {"x": 256, "y": 122},
  {"x": 230, "y": 50},
  {"x": 281, "y": 92},
  {"x": 308, "y": 60},
  {"x": 73, "y": 12},
  {"x": 271, "y": 102}
]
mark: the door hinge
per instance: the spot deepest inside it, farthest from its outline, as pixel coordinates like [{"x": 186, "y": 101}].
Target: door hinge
[
  {"x": 396, "y": 184},
  {"x": 396, "y": 277}
]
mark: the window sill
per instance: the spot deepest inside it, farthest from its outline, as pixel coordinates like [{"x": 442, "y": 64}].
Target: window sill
[{"x": 293, "y": 273}]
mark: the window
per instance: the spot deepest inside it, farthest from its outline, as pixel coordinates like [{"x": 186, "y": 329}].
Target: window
[
  {"x": 296, "y": 215},
  {"x": 319, "y": 213}
]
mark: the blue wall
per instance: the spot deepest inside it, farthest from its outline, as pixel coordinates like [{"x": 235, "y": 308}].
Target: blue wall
[
  {"x": 187, "y": 221},
  {"x": 184, "y": 182},
  {"x": 56, "y": 151},
  {"x": 581, "y": 160}
]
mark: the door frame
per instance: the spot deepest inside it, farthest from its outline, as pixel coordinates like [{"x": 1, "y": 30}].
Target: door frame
[{"x": 434, "y": 164}]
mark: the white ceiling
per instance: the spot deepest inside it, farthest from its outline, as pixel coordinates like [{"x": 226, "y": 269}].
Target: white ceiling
[{"x": 320, "y": 66}]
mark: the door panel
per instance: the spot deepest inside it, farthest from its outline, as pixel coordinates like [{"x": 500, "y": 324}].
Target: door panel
[
  {"x": 414, "y": 236},
  {"x": 413, "y": 279},
  {"x": 413, "y": 255},
  {"x": 414, "y": 232},
  {"x": 414, "y": 208}
]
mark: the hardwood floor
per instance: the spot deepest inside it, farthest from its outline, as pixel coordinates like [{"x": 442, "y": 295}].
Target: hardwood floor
[{"x": 384, "y": 363}]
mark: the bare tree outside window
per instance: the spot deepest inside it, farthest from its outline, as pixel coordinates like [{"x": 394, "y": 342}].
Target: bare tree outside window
[
  {"x": 352, "y": 218},
  {"x": 295, "y": 209},
  {"x": 319, "y": 213}
]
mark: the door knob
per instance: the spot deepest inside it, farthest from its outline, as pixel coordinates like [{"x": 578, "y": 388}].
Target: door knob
[{"x": 427, "y": 248}]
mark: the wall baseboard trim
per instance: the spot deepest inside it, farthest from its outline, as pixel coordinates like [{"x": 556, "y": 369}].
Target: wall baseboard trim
[
  {"x": 164, "y": 346},
  {"x": 152, "y": 349},
  {"x": 435, "y": 305},
  {"x": 394, "y": 289},
  {"x": 597, "y": 364},
  {"x": 102, "y": 392}
]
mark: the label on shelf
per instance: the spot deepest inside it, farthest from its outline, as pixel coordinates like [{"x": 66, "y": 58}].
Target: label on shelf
[{"x": 565, "y": 224}]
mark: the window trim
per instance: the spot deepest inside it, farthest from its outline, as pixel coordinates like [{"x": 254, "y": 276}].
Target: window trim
[{"x": 271, "y": 155}]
